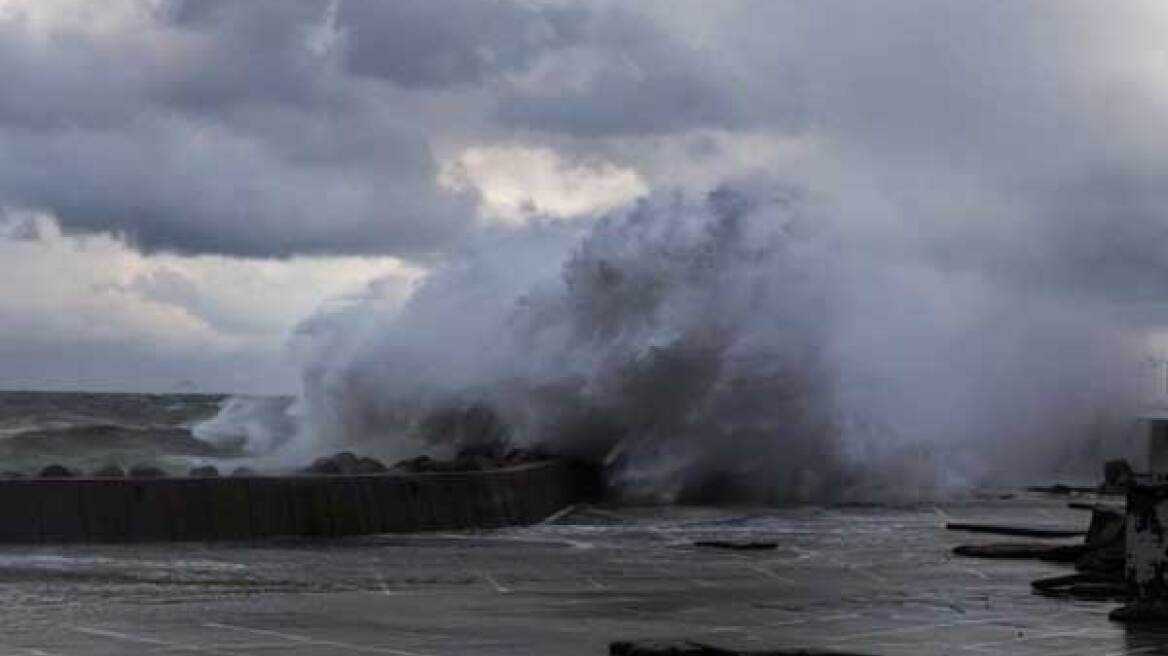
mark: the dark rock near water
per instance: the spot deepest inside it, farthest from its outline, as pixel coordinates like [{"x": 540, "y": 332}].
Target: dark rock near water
[
  {"x": 473, "y": 458},
  {"x": 1106, "y": 543},
  {"x": 1060, "y": 488},
  {"x": 737, "y": 546},
  {"x": 110, "y": 471},
  {"x": 56, "y": 471},
  {"x": 422, "y": 464},
  {"x": 519, "y": 456},
  {"x": 1116, "y": 475},
  {"x": 146, "y": 471},
  {"x": 370, "y": 466},
  {"x": 243, "y": 471},
  {"x": 1082, "y": 586},
  {"x": 345, "y": 462},
  {"x": 1141, "y": 612},
  {"x": 1022, "y": 550},
  {"x": 1023, "y": 531},
  {"x": 204, "y": 471},
  {"x": 323, "y": 466},
  {"x": 690, "y": 648}
]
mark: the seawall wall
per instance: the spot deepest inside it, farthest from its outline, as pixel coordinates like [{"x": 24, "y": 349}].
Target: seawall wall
[{"x": 245, "y": 508}]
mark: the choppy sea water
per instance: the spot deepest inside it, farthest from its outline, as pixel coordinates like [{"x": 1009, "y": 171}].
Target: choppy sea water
[{"x": 85, "y": 431}]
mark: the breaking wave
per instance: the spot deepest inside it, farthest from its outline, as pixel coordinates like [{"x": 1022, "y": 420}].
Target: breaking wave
[{"x": 738, "y": 347}]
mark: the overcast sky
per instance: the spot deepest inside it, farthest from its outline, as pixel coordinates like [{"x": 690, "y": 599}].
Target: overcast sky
[{"x": 181, "y": 182}]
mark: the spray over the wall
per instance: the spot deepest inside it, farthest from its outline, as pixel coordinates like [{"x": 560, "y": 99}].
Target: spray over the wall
[{"x": 736, "y": 347}]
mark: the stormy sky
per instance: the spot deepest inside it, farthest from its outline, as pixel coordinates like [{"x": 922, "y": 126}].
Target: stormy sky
[{"x": 181, "y": 182}]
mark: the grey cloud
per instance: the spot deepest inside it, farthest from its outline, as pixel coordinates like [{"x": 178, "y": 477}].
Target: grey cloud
[
  {"x": 638, "y": 79},
  {"x": 221, "y": 131},
  {"x": 165, "y": 188},
  {"x": 238, "y": 128},
  {"x": 427, "y": 44}
]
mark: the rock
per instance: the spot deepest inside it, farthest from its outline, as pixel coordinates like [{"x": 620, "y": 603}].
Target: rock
[
  {"x": 243, "y": 471},
  {"x": 737, "y": 546},
  {"x": 1116, "y": 475},
  {"x": 690, "y": 648},
  {"x": 1083, "y": 505},
  {"x": 370, "y": 466},
  {"x": 1057, "y": 554},
  {"x": 146, "y": 471},
  {"x": 519, "y": 456},
  {"x": 56, "y": 471},
  {"x": 422, "y": 464},
  {"x": 204, "y": 471},
  {"x": 1024, "y": 531},
  {"x": 323, "y": 465},
  {"x": 656, "y": 648},
  {"x": 1060, "y": 488},
  {"x": 344, "y": 462},
  {"x": 347, "y": 462},
  {"x": 1107, "y": 526},
  {"x": 1082, "y": 586},
  {"x": 1141, "y": 612},
  {"x": 110, "y": 471},
  {"x": 1105, "y": 543}
]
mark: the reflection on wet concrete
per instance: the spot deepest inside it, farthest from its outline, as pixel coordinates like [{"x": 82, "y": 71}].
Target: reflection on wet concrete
[{"x": 879, "y": 580}]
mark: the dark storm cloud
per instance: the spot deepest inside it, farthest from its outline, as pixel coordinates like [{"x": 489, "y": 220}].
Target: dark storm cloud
[
  {"x": 629, "y": 77},
  {"x": 429, "y": 44},
  {"x": 276, "y": 127},
  {"x": 273, "y": 128},
  {"x": 225, "y": 129}
]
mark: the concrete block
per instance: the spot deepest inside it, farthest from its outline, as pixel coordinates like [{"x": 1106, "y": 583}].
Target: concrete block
[
  {"x": 346, "y": 505},
  {"x": 230, "y": 507},
  {"x": 19, "y": 512},
  {"x": 1146, "y": 561},
  {"x": 240, "y": 508},
  {"x": 62, "y": 518},
  {"x": 148, "y": 511},
  {"x": 376, "y": 519},
  {"x": 395, "y": 500},
  {"x": 106, "y": 509},
  {"x": 271, "y": 507},
  {"x": 188, "y": 507}
]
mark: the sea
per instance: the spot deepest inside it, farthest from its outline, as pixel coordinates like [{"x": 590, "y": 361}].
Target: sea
[{"x": 85, "y": 431}]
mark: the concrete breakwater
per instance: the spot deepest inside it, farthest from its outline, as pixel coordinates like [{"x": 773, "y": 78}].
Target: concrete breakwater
[{"x": 249, "y": 507}]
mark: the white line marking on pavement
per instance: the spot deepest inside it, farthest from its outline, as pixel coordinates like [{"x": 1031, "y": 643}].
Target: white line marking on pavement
[
  {"x": 768, "y": 573},
  {"x": 307, "y": 640},
  {"x": 500, "y": 588},
  {"x": 143, "y": 640},
  {"x": 560, "y": 514}
]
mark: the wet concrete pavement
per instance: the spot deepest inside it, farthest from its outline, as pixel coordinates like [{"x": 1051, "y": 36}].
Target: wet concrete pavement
[{"x": 876, "y": 580}]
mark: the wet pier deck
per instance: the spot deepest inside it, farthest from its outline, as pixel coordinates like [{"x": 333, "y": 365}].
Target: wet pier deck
[{"x": 873, "y": 580}]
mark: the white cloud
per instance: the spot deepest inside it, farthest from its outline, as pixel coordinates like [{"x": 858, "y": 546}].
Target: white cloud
[
  {"x": 517, "y": 183},
  {"x": 60, "y": 292}
]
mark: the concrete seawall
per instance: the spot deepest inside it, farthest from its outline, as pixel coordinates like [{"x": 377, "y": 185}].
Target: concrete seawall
[{"x": 243, "y": 508}]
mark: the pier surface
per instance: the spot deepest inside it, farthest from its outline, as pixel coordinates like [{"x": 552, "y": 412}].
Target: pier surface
[{"x": 876, "y": 580}]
